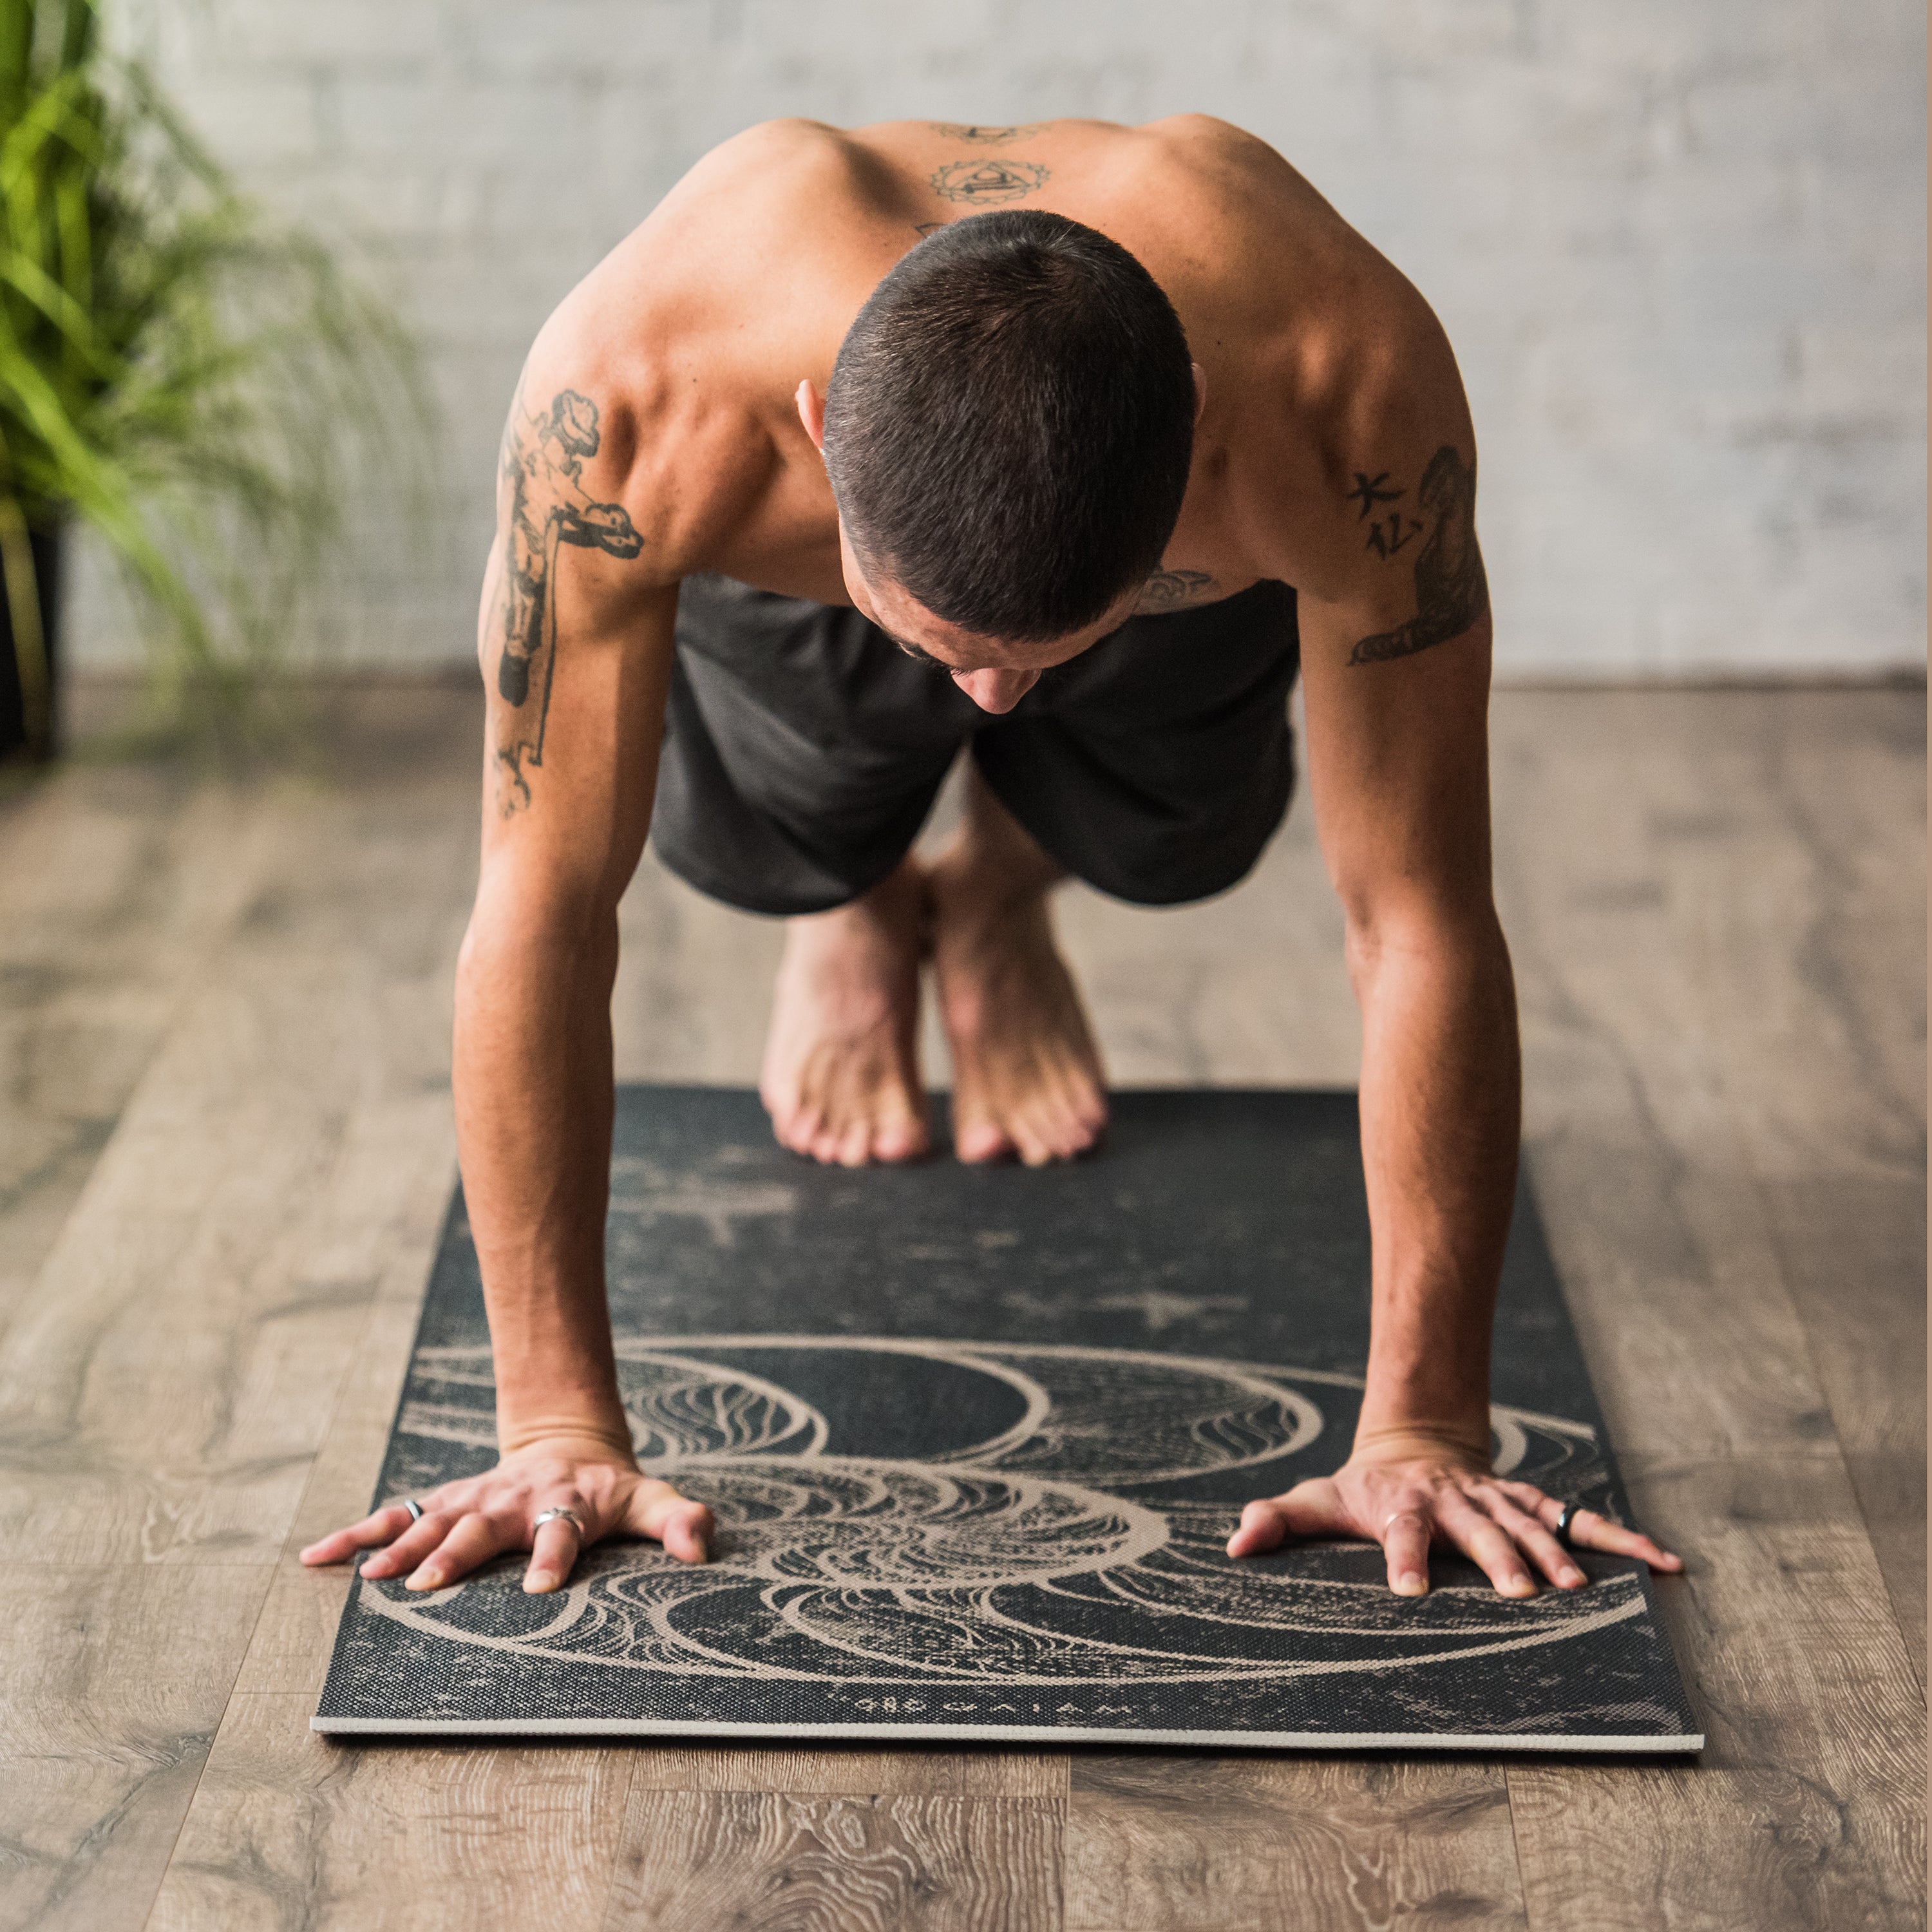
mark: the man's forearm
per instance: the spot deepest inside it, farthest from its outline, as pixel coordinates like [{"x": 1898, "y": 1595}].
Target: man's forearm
[
  {"x": 1441, "y": 1099},
  {"x": 533, "y": 1112}
]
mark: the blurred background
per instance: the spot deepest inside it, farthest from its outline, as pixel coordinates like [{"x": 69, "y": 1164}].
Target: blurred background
[{"x": 1679, "y": 249}]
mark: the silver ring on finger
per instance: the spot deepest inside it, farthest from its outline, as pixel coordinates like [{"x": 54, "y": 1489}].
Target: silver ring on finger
[
  {"x": 415, "y": 1508},
  {"x": 1565, "y": 1516},
  {"x": 570, "y": 1517}
]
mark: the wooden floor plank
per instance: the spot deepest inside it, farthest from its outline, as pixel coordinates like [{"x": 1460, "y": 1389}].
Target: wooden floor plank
[
  {"x": 1657, "y": 1219},
  {"x": 115, "y": 1678},
  {"x": 1795, "y": 863},
  {"x": 168, "y": 1379},
  {"x": 239, "y": 1224},
  {"x": 290, "y": 1831},
  {"x": 1174, "y": 1843},
  {"x": 1807, "y": 1807},
  {"x": 1851, "y": 1248},
  {"x": 720, "y": 1861},
  {"x": 296, "y": 1634},
  {"x": 1664, "y": 949},
  {"x": 805, "y": 1769},
  {"x": 1805, "y": 915},
  {"x": 116, "y": 886}
]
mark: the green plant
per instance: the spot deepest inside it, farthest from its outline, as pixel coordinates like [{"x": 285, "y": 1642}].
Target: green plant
[{"x": 196, "y": 383}]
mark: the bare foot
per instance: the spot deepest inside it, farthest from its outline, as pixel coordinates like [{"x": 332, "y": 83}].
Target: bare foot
[
  {"x": 1026, "y": 1075},
  {"x": 840, "y": 1079}
]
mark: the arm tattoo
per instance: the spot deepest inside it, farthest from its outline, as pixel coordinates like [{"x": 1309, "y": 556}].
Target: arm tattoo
[
  {"x": 987, "y": 184},
  {"x": 542, "y": 464},
  {"x": 991, "y": 137},
  {"x": 1451, "y": 591},
  {"x": 1174, "y": 590}
]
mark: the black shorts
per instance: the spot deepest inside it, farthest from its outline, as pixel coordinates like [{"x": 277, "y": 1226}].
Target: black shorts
[{"x": 803, "y": 749}]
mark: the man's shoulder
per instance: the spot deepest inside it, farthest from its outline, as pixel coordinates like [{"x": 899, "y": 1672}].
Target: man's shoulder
[
  {"x": 690, "y": 334},
  {"x": 1357, "y": 389}
]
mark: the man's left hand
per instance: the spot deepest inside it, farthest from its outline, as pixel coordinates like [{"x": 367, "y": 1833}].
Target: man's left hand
[{"x": 1408, "y": 1496}]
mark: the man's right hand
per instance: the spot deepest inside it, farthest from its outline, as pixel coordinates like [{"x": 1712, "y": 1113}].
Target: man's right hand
[{"x": 464, "y": 1524}]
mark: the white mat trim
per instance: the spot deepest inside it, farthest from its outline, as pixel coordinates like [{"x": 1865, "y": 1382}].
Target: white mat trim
[{"x": 1014, "y": 1734}]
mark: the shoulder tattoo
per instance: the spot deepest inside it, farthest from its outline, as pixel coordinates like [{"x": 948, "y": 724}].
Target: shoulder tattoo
[
  {"x": 1451, "y": 591},
  {"x": 542, "y": 465},
  {"x": 1175, "y": 590}
]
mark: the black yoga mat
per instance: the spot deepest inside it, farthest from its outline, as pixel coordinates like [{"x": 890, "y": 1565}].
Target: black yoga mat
[{"x": 975, "y": 1438}]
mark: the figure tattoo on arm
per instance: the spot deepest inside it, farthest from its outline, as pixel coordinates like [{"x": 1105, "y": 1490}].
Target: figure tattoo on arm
[
  {"x": 1451, "y": 591},
  {"x": 542, "y": 466}
]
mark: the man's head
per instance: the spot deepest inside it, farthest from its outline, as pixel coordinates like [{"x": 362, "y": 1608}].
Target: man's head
[{"x": 1008, "y": 430}]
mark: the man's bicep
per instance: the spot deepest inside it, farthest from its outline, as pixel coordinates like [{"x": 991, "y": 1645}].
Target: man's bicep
[
  {"x": 572, "y": 769},
  {"x": 575, "y": 644}
]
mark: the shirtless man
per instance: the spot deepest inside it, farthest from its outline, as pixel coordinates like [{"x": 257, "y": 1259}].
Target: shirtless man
[{"x": 828, "y": 471}]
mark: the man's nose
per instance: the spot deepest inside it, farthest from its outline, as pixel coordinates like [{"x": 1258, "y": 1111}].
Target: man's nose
[{"x": 996, "y": 691}]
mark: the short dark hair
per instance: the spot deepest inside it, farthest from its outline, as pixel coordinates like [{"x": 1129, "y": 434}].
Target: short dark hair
[{"x": 1009, "y": 423}]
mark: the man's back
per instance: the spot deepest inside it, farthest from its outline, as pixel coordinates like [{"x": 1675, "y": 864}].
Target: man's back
[{"x": 698, "y": 327}]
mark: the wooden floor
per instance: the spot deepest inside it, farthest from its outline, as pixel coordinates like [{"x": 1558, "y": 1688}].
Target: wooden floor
[{"x": 225, "y": 1142}]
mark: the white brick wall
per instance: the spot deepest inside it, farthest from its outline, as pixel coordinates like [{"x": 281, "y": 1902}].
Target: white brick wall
[{"x": 1678, "y": 244}]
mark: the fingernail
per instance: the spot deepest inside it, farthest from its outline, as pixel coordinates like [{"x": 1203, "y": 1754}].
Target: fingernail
[
  {"x": 1521, "y": 1586},
  {"x": 1412, "y": 1583},
  {"x": 426, "y": 1579},
  {"x": 703, "y": 1551},
  {"x": 1572, "y": 1577},
  {"x": 540, "y": 1580}
]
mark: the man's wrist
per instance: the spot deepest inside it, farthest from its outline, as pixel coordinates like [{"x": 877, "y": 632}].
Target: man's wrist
[
  {"x": 606, "y": 1427},
  {"x": 1406, "y": 1438}
]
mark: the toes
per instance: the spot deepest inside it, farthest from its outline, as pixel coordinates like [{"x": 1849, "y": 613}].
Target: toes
[
  {"x": 798, "y": 1128},
  {"x": 977, "y": 1141},
  {"x": 1052, "y": 1129},
  {"x": 899, "y": 1140},
  {"x": 1064, "y": 1133},
  {"x": 1090, "y": 1109}
]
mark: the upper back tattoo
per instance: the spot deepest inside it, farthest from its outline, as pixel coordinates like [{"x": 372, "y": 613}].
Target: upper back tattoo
[
  {"x": 990, "y": 183},
  {"x": 1451, "y": 591},
  {"x": 542, "y": 462},
  {"x": 982, "y": 135}
]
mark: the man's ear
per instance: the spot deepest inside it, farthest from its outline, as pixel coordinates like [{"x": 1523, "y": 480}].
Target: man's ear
[
  {"x": 812, "y": 413},
  {"x": 1200, "y": 392}
]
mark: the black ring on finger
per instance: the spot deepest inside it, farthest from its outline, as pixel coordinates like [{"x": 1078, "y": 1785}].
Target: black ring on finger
[{"x": 1565, "y": 1516}]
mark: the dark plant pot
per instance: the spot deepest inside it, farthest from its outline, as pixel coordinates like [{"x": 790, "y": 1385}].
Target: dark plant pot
[{"x": 48, "y": 546}]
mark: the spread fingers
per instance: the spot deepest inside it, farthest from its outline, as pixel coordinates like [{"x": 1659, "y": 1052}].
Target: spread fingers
[
  {"x": 383, "y": 1525},
  {"x": 475, "y": 1539},
  {"x": 1488, "y": 1545},
  {"x": 411, "y": 1546},
  {"x": 1536, "y": 1542},
  {"x": 1592, "y": 1532}
]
